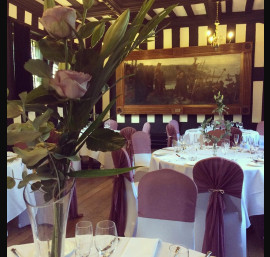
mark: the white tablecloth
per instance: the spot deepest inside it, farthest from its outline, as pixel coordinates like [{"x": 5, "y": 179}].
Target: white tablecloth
[
  {"x": 253, "y": 184},
  {"x": 195, "y": 135},
  {"x": 127, "y": 247},
  {"x": 15, "y": 202}
]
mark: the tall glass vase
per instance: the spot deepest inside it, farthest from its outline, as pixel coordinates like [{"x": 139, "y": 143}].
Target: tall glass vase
[
  {"x": 48, "y": 220},
  {"x": 214, "y": 149}
]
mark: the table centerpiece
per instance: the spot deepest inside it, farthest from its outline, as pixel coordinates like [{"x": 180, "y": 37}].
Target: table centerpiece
[{"x": 50, "y": 148}]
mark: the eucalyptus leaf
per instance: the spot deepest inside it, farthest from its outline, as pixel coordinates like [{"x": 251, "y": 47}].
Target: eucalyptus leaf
[
  {"x": 32, "y": 177},
  {"x": 10, "y": 182},
  {"x": 39, "y": 68},
  {"x": 105, "y": 140},
  {"x": 31, "y": 157},
  {"x": 14, "y": 137},
  {"x": 86, "y": 30},
  {"x": 13, "y": 109},
  {"x": 43, "y": 118},
  {"x": 36, "y": 186}
]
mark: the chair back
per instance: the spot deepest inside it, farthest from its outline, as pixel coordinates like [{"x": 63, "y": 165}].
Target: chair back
[
  {"x": 218, "y": 212},
  {"x": 127, "y": 132},
  {"x": 146, "y": 127},
  {"x": 141, "y": 143},
  {"x": 175, "y": 123},
  {"x": 166, "y": 207},
  {"x": 124, "y": 197},
  {"x": 216, "y": 133},
  {"x": 234, "y": 131},
  {"x": 171, "y": 134},
  {"x": 111, "y": 124},
  {"x": 260, "y": 128}
]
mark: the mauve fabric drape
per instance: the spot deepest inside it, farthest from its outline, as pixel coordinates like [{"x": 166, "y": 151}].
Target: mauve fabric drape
[
  {"x": 216, "y": 174},
  {"x": 118, "y": 212}
]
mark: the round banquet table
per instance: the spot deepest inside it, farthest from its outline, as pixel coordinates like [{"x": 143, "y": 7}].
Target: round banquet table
[
  {"x": 253, "y": 184},
  {"x": 195, "y": 135}
]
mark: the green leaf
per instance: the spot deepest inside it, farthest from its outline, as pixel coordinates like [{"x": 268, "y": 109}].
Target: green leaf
[
  {"x": 105, "y": 140},
  {"x": 43, "y": 118},
  {"x": 88, "y": 3},
  {"x": 72, "y": 158},
  {"x": 87, "y": 30},
  {"x": 39, "y": 68},
  {"x": 31, "y": 157},
  {"x": 115, "y": 33},
  {"x": 27, "y": 136},
  {"x": 23, "y": 97},
  {"x": 42, "y": 95},
  {"x": 53, "y": 50},
  {"x": 48, "y": 4},
  {"x": 10, "y": 182},
  {"x": 13, "y": 109},
  {"x": 99, "y": 173},
  {"x": 36, "y": 186},
  {"x": 32, "y": 177},
  {"x": 97, "y": 34}
]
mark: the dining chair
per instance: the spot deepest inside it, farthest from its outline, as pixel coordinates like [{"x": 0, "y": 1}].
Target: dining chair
[
  {"x": 260, "y": 128},
  {"x": 175, "y": 123},
  {"x": 216, "y": 133},
  {"x": 124, "y": 197},
  {"x": 171, "y": 134},
  {"x": 234, "y": 131},
  {"x": 166, "y": 207},
  {"x": 220, "y": 224},
  {"x": 146, "y": 127},
  {"x": 111, "y": 124},
  {"x": 141, "y": 143},
  {"x": 127, "y": 133}
]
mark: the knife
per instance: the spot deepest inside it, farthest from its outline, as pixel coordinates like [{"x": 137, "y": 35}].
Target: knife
[
  {"x": 15, "y": 252},
  {"x": 208, "y": 254}
]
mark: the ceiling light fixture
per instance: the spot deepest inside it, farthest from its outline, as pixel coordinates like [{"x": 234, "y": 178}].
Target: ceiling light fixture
[{"x": 215, "y": 39}]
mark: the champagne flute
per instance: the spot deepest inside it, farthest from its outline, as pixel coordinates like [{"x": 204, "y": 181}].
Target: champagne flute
[
  {"x": 106, "y": 238},
  {"x": 83, "y": 238}
]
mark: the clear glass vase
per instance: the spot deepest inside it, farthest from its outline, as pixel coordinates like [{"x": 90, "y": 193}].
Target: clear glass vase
[{"x": 48, "y": 220}]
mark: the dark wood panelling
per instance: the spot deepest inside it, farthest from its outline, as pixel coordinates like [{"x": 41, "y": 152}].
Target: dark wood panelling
[
  {"x": 193, "y": 35},
  {"x": 231, "y": 27},
  {"x": 175, "y": 37},
  {"x": 258, "y": 74}
]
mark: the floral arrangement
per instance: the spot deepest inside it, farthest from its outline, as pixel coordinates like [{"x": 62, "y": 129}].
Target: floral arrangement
[
  {"x": 217, "y": 124},
  {"x": 49, "y": 149}
]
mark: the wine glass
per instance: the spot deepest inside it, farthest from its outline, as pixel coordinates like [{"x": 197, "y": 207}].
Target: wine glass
[
  {"x": 106, "y": 238},
  {"x": 240, "y": 125},
  {"x": 236, "y": 139},
  {"x": 83, "y": 238},
  {"x": 178, "y": 251}
]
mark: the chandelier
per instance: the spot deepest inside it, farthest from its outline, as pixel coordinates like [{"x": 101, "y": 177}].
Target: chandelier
[{"x": 215, "y": 39}]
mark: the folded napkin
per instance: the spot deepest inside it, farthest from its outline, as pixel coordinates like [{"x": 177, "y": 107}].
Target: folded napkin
[
  {"x": 255, "y": 164},
  {"x": 143, "y": 247}
]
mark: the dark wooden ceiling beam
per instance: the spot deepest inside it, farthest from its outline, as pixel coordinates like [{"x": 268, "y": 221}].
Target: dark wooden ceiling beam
[
  {"x": 203, "y": 20},
  {"x": 249, "y": 5},
  {"x": 229, "y": 6},
  {"x": 189, "y": 10}
]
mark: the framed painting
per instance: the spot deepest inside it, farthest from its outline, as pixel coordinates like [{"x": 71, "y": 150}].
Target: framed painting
[{"x": 185, "y": 80}]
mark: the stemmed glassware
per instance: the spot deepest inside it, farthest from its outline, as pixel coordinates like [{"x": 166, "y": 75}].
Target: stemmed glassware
[
  {"x": 83, "y": 238},
  {"x": 106, "y": 238},
  {"x": 236, "y": 139}
]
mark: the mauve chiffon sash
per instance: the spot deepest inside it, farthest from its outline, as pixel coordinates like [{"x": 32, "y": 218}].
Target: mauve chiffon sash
[{"x": 218, "y": 176}]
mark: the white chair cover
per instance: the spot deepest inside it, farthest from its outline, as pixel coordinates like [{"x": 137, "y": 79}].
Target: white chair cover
[
  {"x": 166, "y": 207},
  {"x": 141, "y": 144}
]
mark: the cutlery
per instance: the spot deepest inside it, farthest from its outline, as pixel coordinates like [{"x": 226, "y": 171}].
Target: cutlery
[
  {"x": 208, "y": 254},
  {"x": 15, "y": 252}
]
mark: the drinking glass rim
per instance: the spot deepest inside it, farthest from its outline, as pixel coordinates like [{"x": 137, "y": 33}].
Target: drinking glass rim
[
  {"x": 84, "y": 221},
  {"x": 110, "y": 223}
]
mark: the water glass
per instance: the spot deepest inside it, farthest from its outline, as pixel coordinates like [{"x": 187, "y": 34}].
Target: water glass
[
  {"x": 225, "y": 145},
  {"x": 176, "y": 146},
  {"x": 178, "y": 251},
  {"x": 106, "y": 238},
  {"x": 83, "y": 238}
]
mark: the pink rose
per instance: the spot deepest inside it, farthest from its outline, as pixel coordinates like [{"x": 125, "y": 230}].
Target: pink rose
[
  {"x": 58, "y": 21},
  {"x": 70, "y": 84}
]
